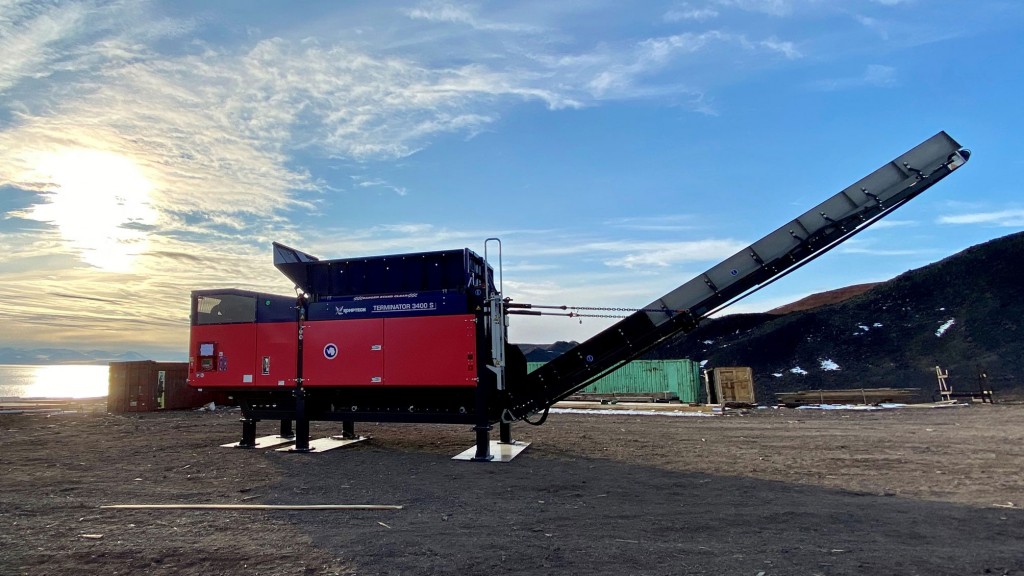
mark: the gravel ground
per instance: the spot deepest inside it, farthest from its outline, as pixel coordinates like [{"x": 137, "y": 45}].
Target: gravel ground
[{"x": 777, "y": 491}]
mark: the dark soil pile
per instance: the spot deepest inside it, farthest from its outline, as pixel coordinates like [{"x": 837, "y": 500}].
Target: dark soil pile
[{"x": 964, "y": 313}]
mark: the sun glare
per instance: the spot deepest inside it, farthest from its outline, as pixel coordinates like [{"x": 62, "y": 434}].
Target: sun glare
[
  {"x": 100, "y": 202},
  {"x": 68, "y": 381}
]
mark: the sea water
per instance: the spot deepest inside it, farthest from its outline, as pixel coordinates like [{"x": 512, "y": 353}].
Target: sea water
[{"x": 55, "y": 381}]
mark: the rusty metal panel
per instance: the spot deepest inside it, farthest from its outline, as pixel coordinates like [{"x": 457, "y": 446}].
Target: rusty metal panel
[
  {"x": 173, "y": 391},
  {"x": 117, "y": 391},
  {"x": 132, "y": 387},
  {"x": 148, "y": 386}
]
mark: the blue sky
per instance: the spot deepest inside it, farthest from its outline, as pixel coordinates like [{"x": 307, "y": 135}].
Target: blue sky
[{"x": 618, "y": 149}]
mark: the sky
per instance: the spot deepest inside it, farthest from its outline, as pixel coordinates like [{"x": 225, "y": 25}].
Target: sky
[{"x": 618, "y": 149}]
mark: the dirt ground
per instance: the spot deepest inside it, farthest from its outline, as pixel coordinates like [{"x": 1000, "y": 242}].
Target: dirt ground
[{"x": 768, "y": 492}]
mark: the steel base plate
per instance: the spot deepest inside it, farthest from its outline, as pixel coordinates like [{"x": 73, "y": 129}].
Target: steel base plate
[
  {"x": 499, "y": 452},
  {"x": 325, "y": 444},
  {"x": 263, "y": 442}
]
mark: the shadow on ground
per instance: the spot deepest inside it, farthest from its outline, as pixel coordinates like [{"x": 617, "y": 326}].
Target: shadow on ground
[{"x": 548, "y": 515}]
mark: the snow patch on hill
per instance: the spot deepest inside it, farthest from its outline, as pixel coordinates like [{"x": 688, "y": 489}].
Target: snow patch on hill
[
  {"x": 942, "y": 329},
  {"x": 828, "y": 365}
]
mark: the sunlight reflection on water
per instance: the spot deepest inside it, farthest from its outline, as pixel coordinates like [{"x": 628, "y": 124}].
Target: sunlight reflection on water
[{"x": 62, "y": 381}]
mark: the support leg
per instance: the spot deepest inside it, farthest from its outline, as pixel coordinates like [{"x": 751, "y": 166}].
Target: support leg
[
  {"x": 505, "y": 432},
  {"x": 301, "y": 422},
  {"x": 348, "y": 429},
  {"x": 248, "y": 433},
  {"x": 286, "y": 429},
  {"x": 301, "y": 436},
  {"x": 483, "y": 443},
  {"x": 483, "y": 424}
]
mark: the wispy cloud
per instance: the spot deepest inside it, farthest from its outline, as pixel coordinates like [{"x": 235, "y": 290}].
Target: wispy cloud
[
  {"x": 1003, "y": 218},
  {"x": 884, "y": 251},
  {"x": 538, "y": 248},
  {"x": 380, "y": 184},
  {"x": 450, "y": 13},
  {"x": 628, "y": 74},
  {"x": 154, "y": 154},
  {"x": 666, "y": 254},
  {"x": 772, "y": 7},
  {"x": 668, "y": 223},
  {"x": 873, "y": 247},
  {"x": 787, "y": 49},
  {"x": 622, "y": 75},
  {"x": 874, "y": 76},
  {"x": 29, "y": 39},
  {"x": 687, "y": 12},
  {"x": 887, "y": 223},
  {"x": 710, "y": 9},
  {"x": 201, "y": 143},
  {"x": 879, "y": 27},
  {"x": 147, "y": 306},
  {"x": 527, "y": 266}
]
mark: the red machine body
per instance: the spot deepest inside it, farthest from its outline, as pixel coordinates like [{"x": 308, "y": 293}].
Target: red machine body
[
  {"x": 424, "y": 351},
  {"x": 410, "y": 321},
  {"x": 242, "y": 339}
]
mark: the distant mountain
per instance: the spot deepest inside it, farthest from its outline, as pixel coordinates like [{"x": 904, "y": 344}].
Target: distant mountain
[
  {"x": 64, "y": 356},
  {"x": 545, "y": 352},
  {"x": 964, "y": 313}
]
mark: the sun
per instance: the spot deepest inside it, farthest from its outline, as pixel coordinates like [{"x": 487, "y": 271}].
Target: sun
[{"x": 100, "y": 202}]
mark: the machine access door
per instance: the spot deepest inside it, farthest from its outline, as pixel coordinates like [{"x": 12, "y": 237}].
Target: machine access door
[
  {"x": 223, "y": 340},
  {"x": 276, "y": 353},
  {"x": 343, "y": 352},
  {"x": 430, "y": 351}
]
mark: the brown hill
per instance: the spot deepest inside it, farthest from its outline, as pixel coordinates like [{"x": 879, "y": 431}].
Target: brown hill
[{"x": 824, "y": 298}]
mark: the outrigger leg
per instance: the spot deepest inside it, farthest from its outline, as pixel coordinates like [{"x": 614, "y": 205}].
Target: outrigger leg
[
  {"x": 248, "y": 433},
  {"x": 483, "y": 443},
  {"x": 483, "y": 424},
  {"x": 301, "y": 423}
]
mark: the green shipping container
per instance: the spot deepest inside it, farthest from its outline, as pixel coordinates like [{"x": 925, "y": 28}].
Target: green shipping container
[{"x": 678, "y": 377}]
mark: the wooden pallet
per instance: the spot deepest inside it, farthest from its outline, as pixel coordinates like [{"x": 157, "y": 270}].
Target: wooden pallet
[
  {"x": 645, "y": 406},
  {"x": 848, "y": 396}
]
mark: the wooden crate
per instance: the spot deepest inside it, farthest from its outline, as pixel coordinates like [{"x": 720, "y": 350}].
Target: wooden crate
[{"x": 734, "y": 384}]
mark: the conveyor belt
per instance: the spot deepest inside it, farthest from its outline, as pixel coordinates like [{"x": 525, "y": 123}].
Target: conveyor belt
[{"x": 770, "y": 258}]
